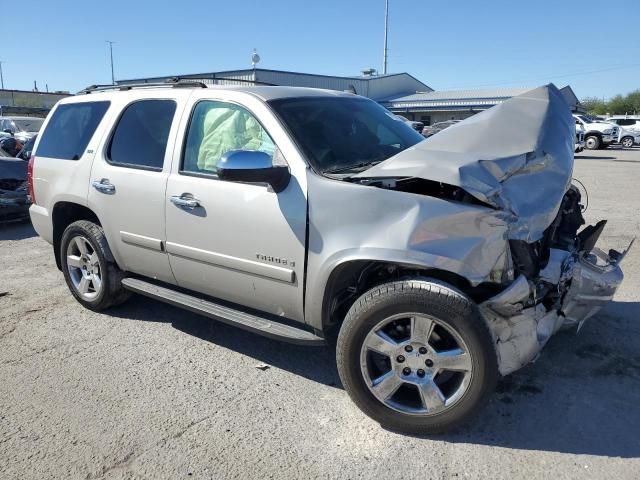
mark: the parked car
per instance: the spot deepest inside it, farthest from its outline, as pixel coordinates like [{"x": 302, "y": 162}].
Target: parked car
[
  {"x": 27, "y": 148},
  {"x": 430, "y": 130},
  {"x": 11, "y": 145},
  {"x": 629, "y": 129},
  {"x": 417, "y": 126},
  {"x": 626, "y": 122},
  {"x": 14, "y": 202},
  {"x": 597, "y": 134},
  {"x": 435, "y": 265},
  {"x": 629, "y": 139},
  {"x": 22, "y": 128},
  {"x": 579, "y": 145}
]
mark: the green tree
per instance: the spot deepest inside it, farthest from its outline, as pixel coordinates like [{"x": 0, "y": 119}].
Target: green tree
[
  {"x": 618, "y": 105},
  {"x": 594, "y": 105}
]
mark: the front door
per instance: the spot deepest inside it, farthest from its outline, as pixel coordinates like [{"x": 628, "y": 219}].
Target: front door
[
  {"x": 235, "y": 241},
  {"x": 128, "y": 182}
]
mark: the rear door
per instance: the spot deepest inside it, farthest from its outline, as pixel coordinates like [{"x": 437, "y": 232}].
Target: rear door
[
  {"x": 129, "y": 178},
  {"x": 242, "y": 242}
]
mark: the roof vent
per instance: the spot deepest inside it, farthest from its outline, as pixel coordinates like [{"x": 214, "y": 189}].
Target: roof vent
[{"x": 369, "y": 72}]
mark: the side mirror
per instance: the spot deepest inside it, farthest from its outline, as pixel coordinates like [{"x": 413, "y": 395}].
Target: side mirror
[{"x": 251, "y": 166}]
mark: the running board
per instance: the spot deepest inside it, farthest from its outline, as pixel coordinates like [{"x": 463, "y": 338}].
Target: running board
[{"x": 247, "y": 321}]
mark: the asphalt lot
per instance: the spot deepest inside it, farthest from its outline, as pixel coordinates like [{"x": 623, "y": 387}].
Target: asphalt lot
[{"x": 149, "y": 391}]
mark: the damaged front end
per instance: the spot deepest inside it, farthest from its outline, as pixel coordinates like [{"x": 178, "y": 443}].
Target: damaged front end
[
  {"x": 14, "y": 201},
  {"x": 517, "y": 158},
  {"x": 562, "y": 280}
]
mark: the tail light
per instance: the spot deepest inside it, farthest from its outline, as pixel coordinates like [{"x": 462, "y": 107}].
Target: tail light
[{"x": 30, "y": 190}]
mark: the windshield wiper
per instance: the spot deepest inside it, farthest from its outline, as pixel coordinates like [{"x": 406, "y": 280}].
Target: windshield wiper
[{"x": 356, "y": 167}]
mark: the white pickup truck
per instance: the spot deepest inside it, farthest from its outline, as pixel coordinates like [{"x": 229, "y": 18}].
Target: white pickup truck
[{"x": 597, "y": 134}]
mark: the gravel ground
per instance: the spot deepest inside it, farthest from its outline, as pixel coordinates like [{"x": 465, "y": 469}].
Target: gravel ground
[{"x": 150, "y": 391}]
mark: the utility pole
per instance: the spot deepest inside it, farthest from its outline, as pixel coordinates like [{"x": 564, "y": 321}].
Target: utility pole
[
  {"x": 386, "y": 31},
  {"x": 113, "y": 78},
  {"x": 1, "y": 77}
]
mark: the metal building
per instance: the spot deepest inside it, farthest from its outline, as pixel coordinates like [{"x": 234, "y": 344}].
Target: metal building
[
  {"x": 369, "y": 84},
  {"x": 437, "y": 106},
  {"x": 401, "y": 93}
]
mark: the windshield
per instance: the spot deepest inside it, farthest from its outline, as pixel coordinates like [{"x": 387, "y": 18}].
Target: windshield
[
  {"x": 28, "y": 124},
  {"x": 587, "y": 119},
  {"x": 342, "y": 134}
]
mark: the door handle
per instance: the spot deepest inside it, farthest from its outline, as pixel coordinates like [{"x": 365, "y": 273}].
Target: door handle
[
  {"x": 185, "y": 201},
  {"x": 104, "y": 186}
]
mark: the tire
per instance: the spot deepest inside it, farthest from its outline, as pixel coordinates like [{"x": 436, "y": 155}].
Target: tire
[
  {"x": 83, "y": 270},
  {"x": 592, "y": 142},
  {"x": 627, "y": 142},
  {"x": 422, "y": 301}
]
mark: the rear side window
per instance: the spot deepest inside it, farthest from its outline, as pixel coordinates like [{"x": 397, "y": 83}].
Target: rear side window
[
  {"x": 140, "y": 138},
  {"x": 70, "y": 129}
]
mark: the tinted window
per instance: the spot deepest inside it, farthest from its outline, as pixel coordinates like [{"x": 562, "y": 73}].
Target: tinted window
[
  {"x": 218, "y": 127},
  {"x": 625, "y": 122},
  {"x": 140, "y": 138},
  {"x": 70, "y": 129},
  {"x": 342, "y": 134}
]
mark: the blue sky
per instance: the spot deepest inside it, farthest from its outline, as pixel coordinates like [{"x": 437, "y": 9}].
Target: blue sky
[{"x": 592, "y": 45}]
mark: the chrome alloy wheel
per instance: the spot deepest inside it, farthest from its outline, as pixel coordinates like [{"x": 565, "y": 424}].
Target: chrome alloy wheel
[
  {"x": 627, "y": 142},
  {"x": 83, "y": 265},
  {"x": 416, "y": 364}
]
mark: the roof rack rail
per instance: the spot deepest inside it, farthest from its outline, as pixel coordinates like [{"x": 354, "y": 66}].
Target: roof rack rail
[{"x": 173, "y": 82}]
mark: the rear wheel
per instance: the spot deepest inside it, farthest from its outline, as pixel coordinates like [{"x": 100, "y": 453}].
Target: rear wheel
[
  {"x": 627, "y": 142},
  {"x": 416, "y": 356},
  {"x": 592, "y": 142},
  {"x": 89, "y": 268}
]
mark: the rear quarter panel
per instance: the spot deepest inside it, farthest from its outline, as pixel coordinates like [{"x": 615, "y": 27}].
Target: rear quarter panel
[{"x": 57, "y": 180}]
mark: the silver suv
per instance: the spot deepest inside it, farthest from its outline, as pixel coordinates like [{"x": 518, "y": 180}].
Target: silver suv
[{"x": 312, "y": 216}]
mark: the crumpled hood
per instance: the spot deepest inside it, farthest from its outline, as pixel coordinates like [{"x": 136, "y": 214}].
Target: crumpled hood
[{"x": 516, "y": 156}]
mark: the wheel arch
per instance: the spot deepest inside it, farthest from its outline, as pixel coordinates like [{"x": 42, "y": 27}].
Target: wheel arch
[
  {"x": 63, "y": 214},
  {"x": 350, "y": 279},
  {"x": 593, "y": 133}
]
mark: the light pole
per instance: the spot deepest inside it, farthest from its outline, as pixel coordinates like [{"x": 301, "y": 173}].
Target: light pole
[
  {"x": 1, "y": 77},
  {"x": 113, "y": 78},
  {"x": 386, "y": 31}
]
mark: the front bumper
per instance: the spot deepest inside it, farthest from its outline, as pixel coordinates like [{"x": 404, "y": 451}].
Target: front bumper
[
  {"x": 595, "y": 280},
  {"x": 520, "y": 333},
  {"x": 609, "y": 138}
]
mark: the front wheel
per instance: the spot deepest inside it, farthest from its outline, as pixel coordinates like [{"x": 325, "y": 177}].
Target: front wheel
[
  {"x": 416, "y": 356},
  {"x": 592, "y": 142},
  {"x": 627, "y": 142},
  {"x": 89, "y": 267}
]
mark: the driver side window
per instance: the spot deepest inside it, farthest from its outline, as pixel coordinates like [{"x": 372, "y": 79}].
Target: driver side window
[{"x": 217, "y": 128}]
